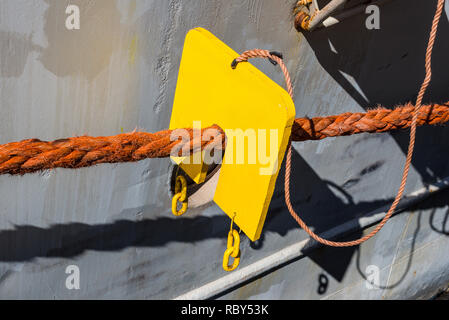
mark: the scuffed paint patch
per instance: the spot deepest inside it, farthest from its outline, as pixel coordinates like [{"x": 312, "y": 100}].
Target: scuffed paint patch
[
  {"x": 255, "y": 11},
  {"x": 274, "y": 292},
  {"x": 5, "y": 275},
  {"x": 163, "y": 64},
  {"x": 323, "y": 144},
  {"x": 86, "y": 51},
  {"x": 132, "y": 9}
]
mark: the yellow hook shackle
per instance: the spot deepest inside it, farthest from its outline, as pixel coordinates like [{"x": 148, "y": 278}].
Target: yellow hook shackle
[
  {"x": 180, "y": 195},
  {"x": 233, "y": 249}
]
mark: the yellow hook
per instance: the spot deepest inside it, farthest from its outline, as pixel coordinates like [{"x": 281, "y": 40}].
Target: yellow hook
[
  {"x": 180, "y": 195},
  {"x": 233, "y": 249}
]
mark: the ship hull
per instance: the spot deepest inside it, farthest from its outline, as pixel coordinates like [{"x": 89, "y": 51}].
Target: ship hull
[{"x": 113, "y": 222}]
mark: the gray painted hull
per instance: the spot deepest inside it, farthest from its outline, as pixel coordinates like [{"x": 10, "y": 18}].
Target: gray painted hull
[{"x": 114, "y": 222}]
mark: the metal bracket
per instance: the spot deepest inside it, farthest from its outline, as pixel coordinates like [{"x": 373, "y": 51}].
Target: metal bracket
[
  {"x": 256, "y": 115},
  {"x": 309, "y": 17},
  {"x": 309, "y": 21}
]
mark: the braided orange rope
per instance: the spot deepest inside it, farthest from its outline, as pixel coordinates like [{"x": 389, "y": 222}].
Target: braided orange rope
[
  {"x": 373, "y": 121},
  {"x": 33, "y": 155},
  {"x": 266, "y": 54}
]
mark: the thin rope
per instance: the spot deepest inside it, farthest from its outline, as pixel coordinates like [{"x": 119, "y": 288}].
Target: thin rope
[{"x": 428, "y": 59}]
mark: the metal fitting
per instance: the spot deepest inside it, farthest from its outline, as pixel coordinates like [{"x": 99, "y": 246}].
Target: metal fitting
[{"x": 302, "y": 20}]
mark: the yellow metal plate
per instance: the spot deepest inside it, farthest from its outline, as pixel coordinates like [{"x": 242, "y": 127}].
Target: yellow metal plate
[{"x": 245, "y": 99}]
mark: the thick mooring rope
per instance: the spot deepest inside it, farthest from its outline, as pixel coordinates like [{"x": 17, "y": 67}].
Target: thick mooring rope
[
  {"x": 414, "y": 121},
  {"x": 373, "y": 121},
  {"x": 34, "y": 155}
]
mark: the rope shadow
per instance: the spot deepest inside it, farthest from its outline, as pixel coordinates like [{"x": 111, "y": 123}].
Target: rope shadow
[
  {"x": 318, "y": 205},
  {"x": 26, "y": 242}
]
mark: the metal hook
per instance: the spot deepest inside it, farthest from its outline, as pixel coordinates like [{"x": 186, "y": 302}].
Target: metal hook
[
  {"x": 180, "y": 195},
  {"x": 233, "y": 249}
]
